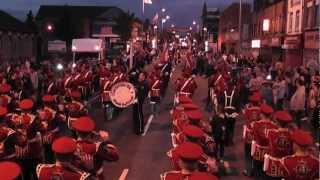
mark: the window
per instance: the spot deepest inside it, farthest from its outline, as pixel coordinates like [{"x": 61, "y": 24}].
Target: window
[
  {"x": 317, "y": 17},
  {"x": 290, "y": 22},
  {"x": 297, "y": 21}
]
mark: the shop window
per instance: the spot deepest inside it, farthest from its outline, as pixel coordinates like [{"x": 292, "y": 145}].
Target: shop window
[
  {"x": 290, "y": 22},
  {"x": 297, "y": 21}
]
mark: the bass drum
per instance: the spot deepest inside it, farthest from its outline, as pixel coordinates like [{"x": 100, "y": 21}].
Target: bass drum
[{"x": 122, "y": 94}]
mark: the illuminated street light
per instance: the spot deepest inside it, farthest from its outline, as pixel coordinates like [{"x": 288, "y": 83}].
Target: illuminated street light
[
  {"x": 155, "y": 27},
  {"x": 59, "y": 66},
  {"x": 49, "y": 27},
  {"x": 96, "y": 47},
  {"x": 190, "y": 28},
  {"x": 74, "y": 65},
  {"x": 231, "y": 30},
  {"x": 172, "y": 25},
  {"x": 194, "y": 23},
  {"x": 205, "y": 29},
  {"x": 163, "y": 10},
  {"x": 167, "y": 17}
]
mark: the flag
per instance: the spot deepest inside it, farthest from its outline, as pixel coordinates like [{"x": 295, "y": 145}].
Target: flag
[
  {"x": 145, "y": 2},
  {"x": 155, "y": 19}
]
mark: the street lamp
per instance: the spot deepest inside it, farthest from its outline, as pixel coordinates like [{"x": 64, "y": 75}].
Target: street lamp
[
  {"x": 190, "y": 28},
  {"x": 162, "y": 22},
  {"x": 172, "y": 25},
  {"x": 163, "y": 10},
  {"x": 167, "y": 17},
  {"x": 49, "y": 27},
  {"x": 194, "y": 23}
]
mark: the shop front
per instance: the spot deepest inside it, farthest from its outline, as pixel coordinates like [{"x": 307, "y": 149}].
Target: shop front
[
  {"x": 293, "y": 51},
  {"x": 311, "y": 51}
]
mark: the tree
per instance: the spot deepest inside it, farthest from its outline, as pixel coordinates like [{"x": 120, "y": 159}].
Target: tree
[
  {"x": 30, "y": 22},
  {"x": 123, "y": 25}
]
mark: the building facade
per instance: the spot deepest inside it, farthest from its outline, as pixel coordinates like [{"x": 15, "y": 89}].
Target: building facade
[
  {"x": 17, "y": 41},
  {"x": 311, "y": 24},
  {"x": 269, "y": 27},
  {"x": 77, "y": 22},
  {"x": 228, "y": 38},
  {"x": 293, "y": 41}
]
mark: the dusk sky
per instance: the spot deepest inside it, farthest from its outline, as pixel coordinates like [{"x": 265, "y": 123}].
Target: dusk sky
[{"x": 183, "y": 12}]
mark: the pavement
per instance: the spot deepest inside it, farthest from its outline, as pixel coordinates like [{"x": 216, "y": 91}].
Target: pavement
[{"x": 144, "y": 157}]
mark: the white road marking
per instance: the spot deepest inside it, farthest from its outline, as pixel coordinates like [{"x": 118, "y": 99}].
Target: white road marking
[
  {"x": 147, "y": 125},
  {"x": 124, "y": 174}
]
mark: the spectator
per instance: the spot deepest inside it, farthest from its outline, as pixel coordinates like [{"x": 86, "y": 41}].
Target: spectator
[{"x": 297, "y": 102}]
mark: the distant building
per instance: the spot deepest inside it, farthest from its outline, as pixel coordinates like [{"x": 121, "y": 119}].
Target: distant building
[
  {"x": 228, "y": 39},
  {"x": 17, "y": 41},
  {"x": 293, "y": 41},
  {"x": 210, "y": 23},
  {"x": 269, "y": 28},
  {"x": 311, "y": 25},
  {"x": 83, "y": 22}
]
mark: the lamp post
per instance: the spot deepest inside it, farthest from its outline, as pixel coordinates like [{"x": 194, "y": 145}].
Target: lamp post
[{"x": 162, "y": 22}]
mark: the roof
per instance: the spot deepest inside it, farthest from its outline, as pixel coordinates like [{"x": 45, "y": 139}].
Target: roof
[
  {"x": 55, "y": 11},
  {"x": 10, "y": 23}
]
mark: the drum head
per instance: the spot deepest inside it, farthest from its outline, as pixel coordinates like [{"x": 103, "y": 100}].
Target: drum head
[{"x": 122, "y": 94}]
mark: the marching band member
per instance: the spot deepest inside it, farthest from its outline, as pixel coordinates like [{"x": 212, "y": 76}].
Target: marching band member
[
  {"x": 142, "y": 89},
  {"x": 229, "y": 100},
  {"x": 64, "y": 148},
  {"x": 93, "y": 148},
  {"x": 301, "y": 165},
  {"x": 29, "y": 146},
  {"x": 280, "y": 145},
  {"x": 260, "y": 142},
  {"x": 185, "y": 159},
  {"x": 154, "y": 93},
  {"x": 251, "y": 113},
  {"x": 186, "y": 86},
  {"x": 7, "y": 137},
  {"x": 49, "y": 126}
]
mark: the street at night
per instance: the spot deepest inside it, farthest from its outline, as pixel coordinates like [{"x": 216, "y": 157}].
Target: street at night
[{"x": 159, "y": 90}]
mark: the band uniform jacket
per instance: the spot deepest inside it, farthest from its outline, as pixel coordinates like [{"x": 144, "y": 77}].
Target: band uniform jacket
[
  {"x": 54, "y": 171},
  {"x": 301, "y": 167},
  {"x": 250, "y": 114},
  {"x": 29, "y": 143},
  {"x": 280, "y": 143},
  {"x": 93, "y": 153},
  {"x": 260, "y": 141},
  {"x": 7, "y": 143}
]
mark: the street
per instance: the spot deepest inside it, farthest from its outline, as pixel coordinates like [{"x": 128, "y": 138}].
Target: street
[{"x": 144, "y": 157}]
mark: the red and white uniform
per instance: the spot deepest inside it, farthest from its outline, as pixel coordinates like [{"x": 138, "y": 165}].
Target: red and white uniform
[
  {"x": 174, "y": 175},
  {"x": 186, "y": 86},
  {"x": 301, "y": 167},
  {"x": 56, "y": 171},
  {"x": 93, "y": 154},
  {"x": 260, "y": 141},
  {"x": 280, "y": 142},
  {"x": 155, "y": 84},
  {"x": 250, "y": 114}
]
